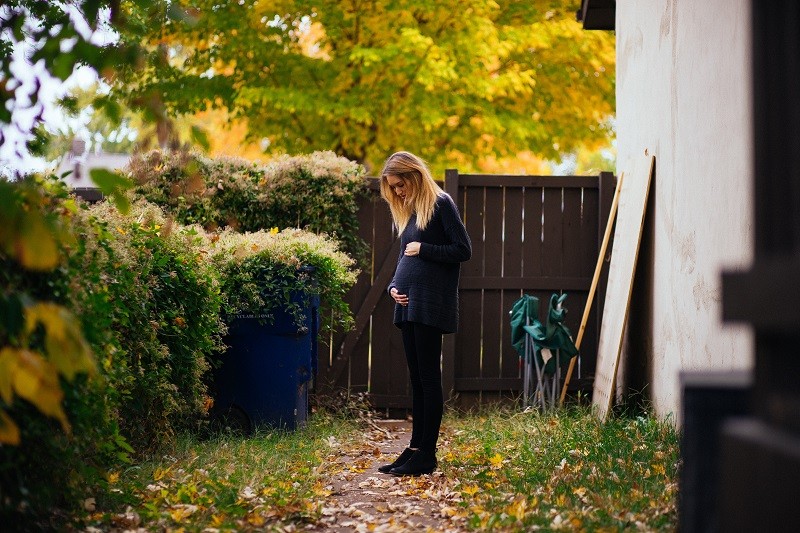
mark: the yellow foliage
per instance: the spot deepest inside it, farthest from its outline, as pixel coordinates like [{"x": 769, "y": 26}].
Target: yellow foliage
[
  {"x": 9, "y": 431},
  {"x": 66, "y": 348},
  {"x": 517, "y": 507},
  {"x": 496, "y": 460},
  {"x": 29, "y": 235},
  {"x": 35, "y": 246},
  {"x": 31, "y": 377},
  {"x": 470, "y": 490}
]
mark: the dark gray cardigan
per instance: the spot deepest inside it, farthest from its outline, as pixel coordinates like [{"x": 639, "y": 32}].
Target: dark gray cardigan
[{"x": 430, "y": 279}]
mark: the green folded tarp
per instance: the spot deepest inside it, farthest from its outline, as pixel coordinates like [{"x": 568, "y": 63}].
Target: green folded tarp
[{"x": 553, "y": 335}]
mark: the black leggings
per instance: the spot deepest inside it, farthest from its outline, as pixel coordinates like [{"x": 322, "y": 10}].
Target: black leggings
[{"x": 423, "y": 347}]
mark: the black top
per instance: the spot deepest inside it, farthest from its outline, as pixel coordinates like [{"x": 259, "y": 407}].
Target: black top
[{"x": 430, "y": 279}]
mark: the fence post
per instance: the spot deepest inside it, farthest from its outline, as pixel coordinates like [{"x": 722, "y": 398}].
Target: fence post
[{"x": 449, "y": 342}]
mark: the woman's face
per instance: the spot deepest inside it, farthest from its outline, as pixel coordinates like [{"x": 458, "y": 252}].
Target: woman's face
[{"x": 400, "y": 187}]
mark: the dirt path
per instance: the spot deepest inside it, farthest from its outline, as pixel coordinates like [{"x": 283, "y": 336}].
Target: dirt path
[{"x": 363, "y": 499}]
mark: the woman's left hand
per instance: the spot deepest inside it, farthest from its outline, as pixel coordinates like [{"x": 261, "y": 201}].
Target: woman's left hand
[{"x": 412, "y": 248}]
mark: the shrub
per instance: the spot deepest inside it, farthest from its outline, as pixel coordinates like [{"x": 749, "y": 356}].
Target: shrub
[
  {"x": 53, "y": 463},
  {"x": 261, "y": 270},
  {"x": 318, "y": 192},
  {"x": 166, "y": 319},
  {"x": 148, "y": 304},
  {"x": 147, "y": 297}
]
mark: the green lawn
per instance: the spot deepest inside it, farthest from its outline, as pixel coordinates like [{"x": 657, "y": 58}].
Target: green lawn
[{"x": 513, "y": 471}]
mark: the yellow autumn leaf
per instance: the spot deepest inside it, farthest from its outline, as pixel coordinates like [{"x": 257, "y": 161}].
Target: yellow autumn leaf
[
  {"x": 255, "y": 520},
  {"x": 67, "y": 348},
  {"x": 659, "y": 469},
  {"x": 217, "y": 520},
  {"x": 35, "y": 246},
  {"x": 36, "y": 380},
  {"x": 496, "y": 460},
  {"x": 471, "y": 490},
  {"x": 8, "y": 366},
  {"x": 112, "y": 477},
  {"x": 517, "y": 508},
  {"x": 181, "y": 513},
  {"x": 9, "y": 431}
]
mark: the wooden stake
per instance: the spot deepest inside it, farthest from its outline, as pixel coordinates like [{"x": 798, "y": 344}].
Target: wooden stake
[{"x": 597, "y": 269}]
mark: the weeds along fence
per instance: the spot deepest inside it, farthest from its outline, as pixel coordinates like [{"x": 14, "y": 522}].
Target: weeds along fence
[{"x": 530, "y": 234}]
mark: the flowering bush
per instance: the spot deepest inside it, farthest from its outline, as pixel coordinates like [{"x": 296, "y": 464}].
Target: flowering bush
[
  {"x": 165, "y": 312},
  {"x": 318, "y": 192},
  {"x": 262, "y": 270}
]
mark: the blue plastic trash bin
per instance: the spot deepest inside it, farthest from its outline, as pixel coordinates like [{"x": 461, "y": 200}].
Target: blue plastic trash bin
[{"x": 265, "y": 374}]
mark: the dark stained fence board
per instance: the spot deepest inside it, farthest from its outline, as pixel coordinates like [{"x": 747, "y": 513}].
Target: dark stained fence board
[
  {"x": 358, "y": 377},
  {"x": 553, "y": 241},
  {"x": 512, "y": 231},
  {"x": 358, "y": 362},
  {"x": 448, "y": 342},
  {"x": 532, "y": 255},
  {"x": 488, "y": 384},
  {"x": 492, "y": 318},
  {"x": 588, "y": 245},
  {"x": 511, "y": 360},
  {"x": 469, "y": 339},
  {"x": 549, "y": 283},
  {"x": 571, "y": 264}
]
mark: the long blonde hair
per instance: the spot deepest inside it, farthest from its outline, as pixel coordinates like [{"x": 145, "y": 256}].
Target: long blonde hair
[{"x": 423, "y": 190}]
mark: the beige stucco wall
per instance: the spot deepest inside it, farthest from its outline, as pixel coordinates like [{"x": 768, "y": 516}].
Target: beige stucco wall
[{"x": 683, "y": 93}]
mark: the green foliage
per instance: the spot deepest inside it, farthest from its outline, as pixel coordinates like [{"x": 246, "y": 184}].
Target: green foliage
[
  {"x": 45, "y": 358},
  {"x": 318, "y": 192},
  {"x": 162, "y": 302},
  {"x": 107, "y": 128},
  {"x": 146, "y": 305},
  {"x": 266, "y": 271},
  {"x": 365, "y": 79}
]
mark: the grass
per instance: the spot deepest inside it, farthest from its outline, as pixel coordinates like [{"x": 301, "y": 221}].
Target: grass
[
  {"x": 521, "y": 471},
  {"x": 227, "y": 482},
  {"x": 515, "y": 471}
]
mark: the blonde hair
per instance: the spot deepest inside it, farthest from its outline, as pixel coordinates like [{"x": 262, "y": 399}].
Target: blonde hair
[{"x": 422, "y": 194}]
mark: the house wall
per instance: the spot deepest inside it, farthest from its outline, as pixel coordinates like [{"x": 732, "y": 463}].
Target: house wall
[{"x": 683, "y": 94}]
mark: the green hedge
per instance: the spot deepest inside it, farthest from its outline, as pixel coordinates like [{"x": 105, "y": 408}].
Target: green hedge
[
  {"x": 149, "y": 306},
  {"x": 318, "y": 192},
  {"x": 149, "y": 295}
]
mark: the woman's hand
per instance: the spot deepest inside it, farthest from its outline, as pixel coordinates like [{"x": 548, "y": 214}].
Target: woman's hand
[
  {"x": 412, "y": 248},
  {"x": 402, "y": 299}
]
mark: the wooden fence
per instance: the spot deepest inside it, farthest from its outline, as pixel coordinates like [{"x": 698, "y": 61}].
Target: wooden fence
[{"x": 530, "y": 234}]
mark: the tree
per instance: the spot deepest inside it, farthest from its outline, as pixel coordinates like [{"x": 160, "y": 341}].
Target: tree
[{"x": 454, "y": 80}]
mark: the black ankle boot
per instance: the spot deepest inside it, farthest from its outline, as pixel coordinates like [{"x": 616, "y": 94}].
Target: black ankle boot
[
  {"x": 400, "y": 461},
  {"x": 421, "y": 462}
]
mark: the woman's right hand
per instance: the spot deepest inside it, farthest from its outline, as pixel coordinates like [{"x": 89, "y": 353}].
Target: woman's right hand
[{"x": 402, "y": 299}]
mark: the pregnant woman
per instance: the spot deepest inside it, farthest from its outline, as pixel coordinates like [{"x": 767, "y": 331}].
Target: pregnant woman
[{"x": 433, "y": 244}]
